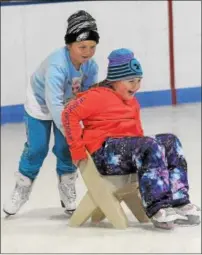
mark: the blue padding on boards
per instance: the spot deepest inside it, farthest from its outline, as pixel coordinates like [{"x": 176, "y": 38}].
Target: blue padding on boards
[
  {"x": 154, "y": 98},
  {"x": 189, "y": 95},
  {"x": 14, "y": 113}
]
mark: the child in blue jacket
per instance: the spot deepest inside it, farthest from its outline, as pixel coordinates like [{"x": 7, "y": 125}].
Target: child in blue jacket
[{"x": 62, "y": 74}]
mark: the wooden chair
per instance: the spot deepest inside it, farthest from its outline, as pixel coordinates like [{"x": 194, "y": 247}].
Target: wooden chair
[{"x": 104, "y": 195}]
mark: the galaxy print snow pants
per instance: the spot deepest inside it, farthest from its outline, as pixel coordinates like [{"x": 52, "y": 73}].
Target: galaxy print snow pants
[{"x": 159, "y": 162}]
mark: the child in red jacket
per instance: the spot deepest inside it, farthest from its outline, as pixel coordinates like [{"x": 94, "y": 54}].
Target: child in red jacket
[{"x": 114, "y": 137}]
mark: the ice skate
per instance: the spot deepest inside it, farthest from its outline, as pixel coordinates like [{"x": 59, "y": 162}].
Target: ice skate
[
  {"x": 67, "y": 192},
  {"x": 165, "y": 218},
  {"x": 190, "y": 212},
  {"x": 19, "y": 196}
]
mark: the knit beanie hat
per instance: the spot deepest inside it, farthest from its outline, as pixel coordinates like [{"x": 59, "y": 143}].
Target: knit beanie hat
[
  {"x": 81, "y": 27},
  {"x": 122, "y": 65}
]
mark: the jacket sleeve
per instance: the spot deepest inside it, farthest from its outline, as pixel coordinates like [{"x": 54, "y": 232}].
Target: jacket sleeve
[
  {"x": 54, "y": 93},
  {"x": 92, "y": 76},
  {"x": 76, "y": 111}
]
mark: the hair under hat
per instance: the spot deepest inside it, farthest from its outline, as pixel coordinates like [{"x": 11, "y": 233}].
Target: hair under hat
[
  {"x": 123, "y": 65},
  {"x": 81, "y": 27}
]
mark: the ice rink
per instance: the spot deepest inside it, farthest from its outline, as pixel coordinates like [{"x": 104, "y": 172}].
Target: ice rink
[{"x": 42, "y": 227}]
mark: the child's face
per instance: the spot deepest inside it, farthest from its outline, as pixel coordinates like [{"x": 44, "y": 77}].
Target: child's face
[
  {"x": 81, "y": 52},
  {"x": 127, "y": 88}
]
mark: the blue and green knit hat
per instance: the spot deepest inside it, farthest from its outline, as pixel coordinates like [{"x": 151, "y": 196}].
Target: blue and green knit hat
[{"x": 123, "y": 65}]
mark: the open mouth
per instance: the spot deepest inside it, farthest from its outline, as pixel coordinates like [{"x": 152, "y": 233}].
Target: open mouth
[
  {"x": 84, "y": 57},
  {"x": 131, "y": 93}
]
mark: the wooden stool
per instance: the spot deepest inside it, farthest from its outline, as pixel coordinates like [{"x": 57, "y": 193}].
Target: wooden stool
[{"x": 104, "y": 196}]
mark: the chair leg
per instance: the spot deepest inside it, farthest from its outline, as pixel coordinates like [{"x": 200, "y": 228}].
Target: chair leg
[
  {"x": 111, "y": 208},
  {"x": 133, "y": 201},
  {"x": 83, "y": 211},
  {"x": 97, "y": 215}
]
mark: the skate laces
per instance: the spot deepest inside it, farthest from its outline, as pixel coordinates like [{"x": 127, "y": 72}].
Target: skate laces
[
  {"x": 19, "y": 192},
  {"x": 69, "y": 190}
]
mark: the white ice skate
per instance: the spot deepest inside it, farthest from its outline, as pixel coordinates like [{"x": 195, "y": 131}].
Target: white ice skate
[
  {"x": 190, "y": 212},
  {"x": 165, "y": 218},
  {"x": 19, "y": 196},
  {"x": 67, "y": 192}
]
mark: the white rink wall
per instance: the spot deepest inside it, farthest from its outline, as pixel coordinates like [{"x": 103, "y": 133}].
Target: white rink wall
[{"x": 30, "y": 32}]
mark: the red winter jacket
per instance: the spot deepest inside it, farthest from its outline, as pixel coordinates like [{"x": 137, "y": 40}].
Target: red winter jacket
[{"x": 104, "y": 114}]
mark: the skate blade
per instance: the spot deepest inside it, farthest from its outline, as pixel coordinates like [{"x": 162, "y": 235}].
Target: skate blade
[
  {"x": 69, "y": 212},
  {"x": 164, "y": 225},
  {"x": 8, "y": 214},
  {"x": 191, "y": 220}
]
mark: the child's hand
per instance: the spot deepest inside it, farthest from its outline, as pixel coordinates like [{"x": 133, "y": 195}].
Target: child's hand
[{"x": 78, "y": 162}]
